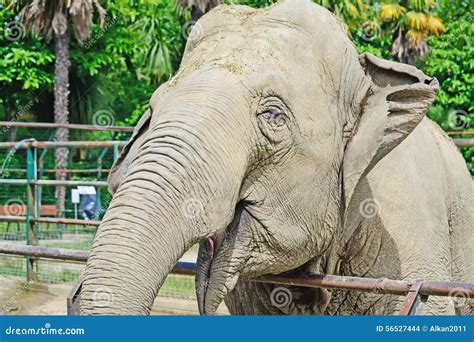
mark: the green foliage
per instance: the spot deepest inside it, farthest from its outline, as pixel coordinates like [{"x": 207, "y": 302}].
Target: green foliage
[
  {"x": 121, "y": 64},
  {"x": 141, "y": 46},
  {"x": 452, "y": 62},
  {"x": 26, "y": 65},
  {"x": 159, "y": 29}
]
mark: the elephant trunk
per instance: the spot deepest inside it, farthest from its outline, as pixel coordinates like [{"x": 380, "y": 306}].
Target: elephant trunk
[
  {"x": 181, "y": 187},
  {"x": 130, "y": 259}
]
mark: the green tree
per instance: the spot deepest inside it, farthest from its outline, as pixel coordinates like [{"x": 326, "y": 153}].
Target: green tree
[
  {"x": 413, "y": 21},
  {"x": 160, "y": 30},
  {"x": 26, "y": 66},
  {"x": 408, "y": 23},
  {"x": 52, "y": 19},
  {"x": 452, "y": 61}
]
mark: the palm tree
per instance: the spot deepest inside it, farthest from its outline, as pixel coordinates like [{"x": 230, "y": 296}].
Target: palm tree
[
  {"x": 158, "y": 27},
  {"x": 413, "y": 21},
  {"x": 199, "y": 7},
  {"x": 53, "y": 19}
]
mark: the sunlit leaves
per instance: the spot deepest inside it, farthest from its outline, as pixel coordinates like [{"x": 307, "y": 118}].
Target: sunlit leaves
[{"x": 391, "y": 11}]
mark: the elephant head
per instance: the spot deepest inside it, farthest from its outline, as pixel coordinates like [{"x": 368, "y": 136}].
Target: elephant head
[{"x": 254, "y": 148}]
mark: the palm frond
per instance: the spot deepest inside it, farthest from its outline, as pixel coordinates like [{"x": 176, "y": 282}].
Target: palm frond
[
  {"x": 414, "y": 38},
  {"x": 351, "y": 9},
  {"x": 391, "y": 12},
  {"x": 417, "y": 20},
  {"x": 435, "y": 25},
  {"x": 50, "y": 17}
]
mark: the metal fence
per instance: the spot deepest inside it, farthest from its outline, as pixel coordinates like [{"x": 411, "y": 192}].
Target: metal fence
[
  {"x": 415, "y": 292},
  {"x": 25, "y": 193}
]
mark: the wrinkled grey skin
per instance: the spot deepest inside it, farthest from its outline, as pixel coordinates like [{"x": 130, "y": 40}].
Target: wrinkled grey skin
[{"x": 269, "y": 147}]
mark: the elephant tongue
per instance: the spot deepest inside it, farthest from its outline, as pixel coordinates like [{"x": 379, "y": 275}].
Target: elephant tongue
[{"x": 211, "y": 243}]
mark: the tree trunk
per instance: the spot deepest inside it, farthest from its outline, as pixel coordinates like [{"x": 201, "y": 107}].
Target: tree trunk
[
  {"x": 61, "y": 112},
  {"x": 11, "y": 116},
  {"x": 196, "y": 13},
  {"x": 407, "y": 52},
  {"x": 197, "y": 9}
]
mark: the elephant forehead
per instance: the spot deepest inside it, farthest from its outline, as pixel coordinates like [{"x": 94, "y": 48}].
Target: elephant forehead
[
  {"x": 283, "y": 36},
  {"x": 247, "y": 52}
]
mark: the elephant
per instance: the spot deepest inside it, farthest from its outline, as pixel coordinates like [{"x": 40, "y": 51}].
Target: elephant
[{"x": 279, "y": 148}]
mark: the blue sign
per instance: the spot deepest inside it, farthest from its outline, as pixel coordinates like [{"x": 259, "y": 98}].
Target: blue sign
[{"x": 238, "y": 329}]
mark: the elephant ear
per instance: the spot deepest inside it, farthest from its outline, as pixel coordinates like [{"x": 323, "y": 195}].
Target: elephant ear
[
  {"x": 123, "y": 161},
  {"x": 395, "y": 104}
]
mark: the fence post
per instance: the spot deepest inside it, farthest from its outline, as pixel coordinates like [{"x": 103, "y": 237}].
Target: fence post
[
  {"x": 116, "y": 152},
  {"x": 32, "y": 210}
]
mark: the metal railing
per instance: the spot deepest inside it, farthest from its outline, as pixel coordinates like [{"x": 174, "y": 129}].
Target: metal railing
[
  {"x": 32, "y": 182},
  {"x": 415, "y": 292},
  {"x": 67, "y": 126}
]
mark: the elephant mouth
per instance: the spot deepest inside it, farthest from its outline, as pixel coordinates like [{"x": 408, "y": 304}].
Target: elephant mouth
[
  {"x": 212, "y": 244},
  {"x": 220, "y": 261}
]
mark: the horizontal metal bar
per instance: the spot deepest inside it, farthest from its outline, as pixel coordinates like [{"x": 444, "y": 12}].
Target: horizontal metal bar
[
  {"x": 68, "y": 126},
  {"x": 381, "y": 285},
  {"x": 461, "y": 133},
  {"x": 13, "y": 181},
  {"x": 59, "y": 144},
  {"x": 340, "y": 282},
  {"x": 65, "y": 221},
  {"x": 8, "y": 218},
  {"x": 44, "y": 252},
  {"x": 464, "y": 142},
  {"x": 184, "y": 268},
  {"x": 69, "y": 183},
  {"x": 60, "y": 170},
  {"x": 53, "y": 182}
]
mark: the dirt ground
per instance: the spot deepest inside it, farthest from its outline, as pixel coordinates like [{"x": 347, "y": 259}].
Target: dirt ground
[
  {"x": 18, "y": 297},
  {"x": 21, "y": 298}
]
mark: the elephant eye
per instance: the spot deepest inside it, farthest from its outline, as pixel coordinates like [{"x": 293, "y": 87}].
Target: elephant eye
[{"x": 274, "y": 115}]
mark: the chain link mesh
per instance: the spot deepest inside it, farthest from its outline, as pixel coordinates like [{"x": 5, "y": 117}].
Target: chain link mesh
[{"x": 13, "y": 199}]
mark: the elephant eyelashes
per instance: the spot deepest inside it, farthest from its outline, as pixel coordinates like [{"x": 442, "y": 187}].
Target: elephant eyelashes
[
  {"x": 275, "y": 116},
  {"x": 273, "y": 123}
]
